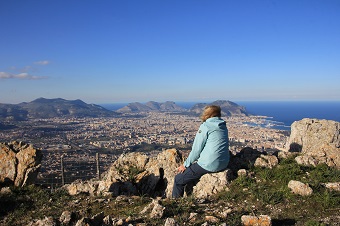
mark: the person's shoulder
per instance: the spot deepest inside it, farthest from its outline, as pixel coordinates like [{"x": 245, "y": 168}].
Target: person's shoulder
[
  {"x": 215, "y": 122},
  {"x": 204, "y": 126}
]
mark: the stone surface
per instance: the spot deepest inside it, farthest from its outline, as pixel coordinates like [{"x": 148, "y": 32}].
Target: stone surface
[
  {"x": 157, "y": 211},
  {"x": 5, "y": 191},
  {"x": 285, "y": 154},
  {"x": 83, "y": 222},
  {"x": 154, "y": 210},
  {"x": 242, "y": 173},
  {"x": 47, "y": 221},
  {"x": 8, "y": 164},
  {"x": 317, "y": 140},
  {"x": 163, "y": 168},
  {"x": 212, "y": 219},
  {"x": 262, "y": 220},
  {"x": 170, "y": 222},
  {"x": 334, "y": 186},
  {"x": 300, "y": 188},
  {"x": 136, "y": 173},
  {"x": 108, "y": 221},
  {"x": 267, "y": 161},
  {"x": 307, "y": 160},
  {"x": 19, "y": 163},
  {"x": 211, "y": 184},
  {"x": 79, "y": 186},
  {"x": 66, "y": 218},
  {"x": 192, "y": 217}
]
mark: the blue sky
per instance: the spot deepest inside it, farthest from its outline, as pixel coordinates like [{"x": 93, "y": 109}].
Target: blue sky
[{"x": 113, "y": 51}]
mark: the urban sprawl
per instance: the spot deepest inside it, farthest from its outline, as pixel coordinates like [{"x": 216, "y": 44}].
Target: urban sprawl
[{"x": 79, "y": 139}]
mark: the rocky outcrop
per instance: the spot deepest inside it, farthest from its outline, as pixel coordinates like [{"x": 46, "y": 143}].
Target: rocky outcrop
[
  {"x": 318, "y": 141},
  {"x": 156, "y": 174},
  {"x": 19, "y": 163},
  {"x": 137, "y": 174}
]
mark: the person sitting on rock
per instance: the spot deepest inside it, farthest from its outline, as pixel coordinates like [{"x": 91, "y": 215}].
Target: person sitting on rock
[{"x": 209, "y": 153}]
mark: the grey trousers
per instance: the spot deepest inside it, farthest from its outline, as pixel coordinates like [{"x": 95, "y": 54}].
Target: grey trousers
[{"x": 187, "y": 179}]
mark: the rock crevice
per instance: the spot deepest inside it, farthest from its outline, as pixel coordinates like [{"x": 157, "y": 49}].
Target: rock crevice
[{"x": 19, "y": 163}]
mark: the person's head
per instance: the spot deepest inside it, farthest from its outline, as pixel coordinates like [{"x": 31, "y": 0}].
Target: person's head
[{"x": 211, "y": 111}]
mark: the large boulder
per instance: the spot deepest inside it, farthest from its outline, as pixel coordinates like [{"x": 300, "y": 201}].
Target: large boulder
[
  {"x": 211, "y": 184},
  {"x": 164, "y": 168},
  {"x": 19, "y": 163},
  {"x": 137, "y": 174},
  {"x": 318, "y": 141}
]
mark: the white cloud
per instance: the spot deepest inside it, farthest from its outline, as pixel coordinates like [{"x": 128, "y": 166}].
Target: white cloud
[
  {"x": 4, "y": 75},
  {"x": 24, "y": 73},
  {"x": 23, "y": 76},
  {"x": 43, "y": 62}
]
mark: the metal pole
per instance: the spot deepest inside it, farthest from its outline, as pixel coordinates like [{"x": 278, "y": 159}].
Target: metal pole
[
  {"x": 62, "y": 170},
  {"x": 98, "y": 169}
]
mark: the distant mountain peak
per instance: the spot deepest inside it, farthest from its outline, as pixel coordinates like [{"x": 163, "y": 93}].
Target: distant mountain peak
[
  {"x": 58, "y": 107},
  {"x": 168, "y": 106},
  {"x": 49, "y": 108},
  {"x": 228, "y": 108}
]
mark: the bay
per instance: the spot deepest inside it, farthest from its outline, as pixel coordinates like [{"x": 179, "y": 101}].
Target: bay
[
  {"x": 281, "y": 114},
  {"x": 289, "y": 111}
]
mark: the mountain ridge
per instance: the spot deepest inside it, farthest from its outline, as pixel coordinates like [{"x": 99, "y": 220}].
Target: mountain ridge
[
  {"x": 168, "y": 106},
  {"x": 228, "y": 108},
  {"x": 49, "y": 108},
  {"x": 58, "y": 107}
]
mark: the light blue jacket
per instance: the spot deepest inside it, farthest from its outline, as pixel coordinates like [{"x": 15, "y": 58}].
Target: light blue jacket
[{"x": 211, "y": 146}]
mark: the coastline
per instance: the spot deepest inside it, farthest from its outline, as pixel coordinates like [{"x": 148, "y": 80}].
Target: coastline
[{"x": 279, "y": 114}]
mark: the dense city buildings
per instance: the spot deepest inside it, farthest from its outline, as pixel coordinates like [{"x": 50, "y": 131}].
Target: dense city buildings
[{"x": 77, "y": 140}]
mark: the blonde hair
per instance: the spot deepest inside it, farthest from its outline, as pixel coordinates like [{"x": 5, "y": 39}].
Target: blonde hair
[{"x": 211, "y": 111}]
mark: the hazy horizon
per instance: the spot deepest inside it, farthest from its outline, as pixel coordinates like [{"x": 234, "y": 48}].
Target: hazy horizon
[{"x": 185, "y": 102}]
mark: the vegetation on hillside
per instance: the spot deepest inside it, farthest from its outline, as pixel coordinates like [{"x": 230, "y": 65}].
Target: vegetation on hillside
[{"x": 263, "y": 192}]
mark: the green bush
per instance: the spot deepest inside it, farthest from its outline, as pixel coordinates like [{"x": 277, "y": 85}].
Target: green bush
[
  {"x": 322, "y": 174},
  {"x": 314, "y": 223}
]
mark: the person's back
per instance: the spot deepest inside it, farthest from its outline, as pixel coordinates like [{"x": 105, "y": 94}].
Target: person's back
[
  {"x": 209, "y": 153},
  {"x": 215, "y": 154}
]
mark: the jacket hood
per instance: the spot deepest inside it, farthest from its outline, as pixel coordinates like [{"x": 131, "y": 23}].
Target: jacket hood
[{"x": 216, "y": 121}]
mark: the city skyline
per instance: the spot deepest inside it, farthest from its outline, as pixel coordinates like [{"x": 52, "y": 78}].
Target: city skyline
[{"x": 139, "y": 51}]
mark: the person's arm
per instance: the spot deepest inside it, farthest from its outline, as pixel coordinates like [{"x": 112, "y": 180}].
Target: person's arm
[{"x": 197, "y": 147}]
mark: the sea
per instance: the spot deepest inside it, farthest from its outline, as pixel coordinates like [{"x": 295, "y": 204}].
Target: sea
[{"x": 280, "y": 114}]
